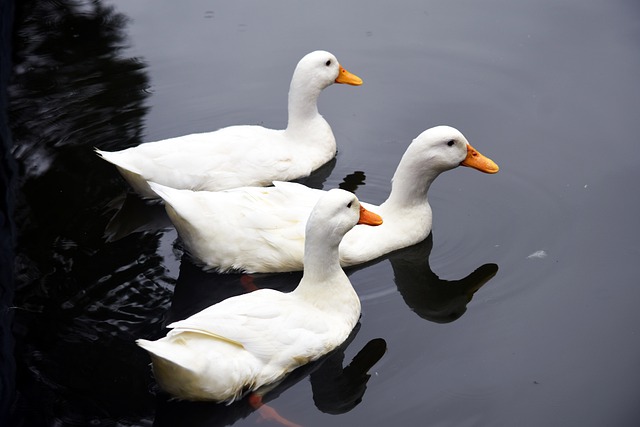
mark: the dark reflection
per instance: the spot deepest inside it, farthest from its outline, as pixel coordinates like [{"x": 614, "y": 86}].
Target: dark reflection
[
  {"x": 319, "y": 176},
  {"x": 335, "y": 389},
  {"x": 353, "y": 181},
  {"x": 79, "y": 303},
  {"x": 197, "y": 289},
  {"x": 432, "y": 298},
  {"x": 134, "y": 215}
]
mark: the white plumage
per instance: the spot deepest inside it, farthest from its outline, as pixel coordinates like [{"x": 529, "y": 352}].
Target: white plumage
[
  {"x": 255, "y": 339},
  {"x": 244, "y": 155},
  {"x": 261, "y": 229}
]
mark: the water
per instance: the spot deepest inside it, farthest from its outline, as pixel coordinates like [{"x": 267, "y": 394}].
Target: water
[{"x": 521, "y": 309}]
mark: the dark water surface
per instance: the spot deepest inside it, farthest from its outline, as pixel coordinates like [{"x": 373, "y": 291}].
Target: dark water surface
[{"x": 521, "y": 309}]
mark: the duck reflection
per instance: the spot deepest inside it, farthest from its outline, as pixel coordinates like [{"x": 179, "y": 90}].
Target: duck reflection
[
  {"x": 132, "y": 214},
  {"x": 197, "y": 289},
  {"x": 426, "y": 294},
  {"x": 353, "y": 181},
  {"x": 337, "y": 390}
]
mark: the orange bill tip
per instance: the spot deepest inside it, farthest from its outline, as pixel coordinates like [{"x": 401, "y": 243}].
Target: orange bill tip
[
  {"x": 479, "y": 162},
  {"x": 348, "y": 78},
  {"x": 369, "y": 218}
]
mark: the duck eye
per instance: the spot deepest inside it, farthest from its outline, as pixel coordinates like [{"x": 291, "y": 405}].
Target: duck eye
[
  {"x": 349, "y": 205},
  {"x": 450, "y": 142},
  {"x": 328, "y": 62}
]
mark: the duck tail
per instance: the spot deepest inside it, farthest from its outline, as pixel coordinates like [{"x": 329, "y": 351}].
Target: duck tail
[
  {"x": 109, "y": 156},
  {"x": 165, "y": 355},
  {"x": 168, "y": 194},
  {"x": 115, "y": 158}
]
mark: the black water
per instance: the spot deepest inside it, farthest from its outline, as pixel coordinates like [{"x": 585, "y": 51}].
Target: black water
[{"x": 521, "y": 309}]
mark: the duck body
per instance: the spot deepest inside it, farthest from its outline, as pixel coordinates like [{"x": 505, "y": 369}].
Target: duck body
[
  {"x": 227, "y": 158},
  {"x": 262, "y": 229},
  {"x": 248, "y": 341},
  {"x": 273, "y": 219},
  {"x": 252, "y": 340},
  {"x": 244, "y": 155}
]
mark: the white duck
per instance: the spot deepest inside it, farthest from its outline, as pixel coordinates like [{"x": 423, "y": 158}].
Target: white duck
[
  {"x": 255, "y": 339},
  {"x": 238, "y": 156},
  {"x": 261, "y": 230}
]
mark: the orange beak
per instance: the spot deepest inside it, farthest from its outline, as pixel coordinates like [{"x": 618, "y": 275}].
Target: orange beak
[
  {"x": 368, "y": 217},
  {"x": 347, "y": 78},
  {"x": 477, "y": 161}
]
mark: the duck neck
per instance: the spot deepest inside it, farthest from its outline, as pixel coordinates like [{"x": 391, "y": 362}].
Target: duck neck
[
  {"x": 324, "y": 283},
  {"x": 321, "y": 263},
  {"x": 303, "y": 104},
  {"x": 411, "y": 182}
]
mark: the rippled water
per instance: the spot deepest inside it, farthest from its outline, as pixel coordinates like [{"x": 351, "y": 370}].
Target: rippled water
[{"x": 520, "y": 309}]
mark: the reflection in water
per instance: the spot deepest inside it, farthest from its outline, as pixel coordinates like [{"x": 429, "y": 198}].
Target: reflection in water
[
  {"x": 337, "y": 390},
  {"x": 319, "y": 176},
  {"x": 76, "y": 298},
  {"x": 432, "y": 298},
  {"x": 353, "y": 181},
  {"x": 134, "y": 215},
  {"x": 197, "y": 289}
]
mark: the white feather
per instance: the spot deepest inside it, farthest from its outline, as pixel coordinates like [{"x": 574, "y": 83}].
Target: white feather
[
  {"x": 262, "y": 229},
  {"x": 252, "y": 340},
  {"x": 237, "y": 156}
]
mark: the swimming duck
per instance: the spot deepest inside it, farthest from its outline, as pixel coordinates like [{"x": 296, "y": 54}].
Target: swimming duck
[
  {"x": 261, "y": 229},
  {"x": 248, "y": 341},
  {"x": 238, "y": 156}
]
